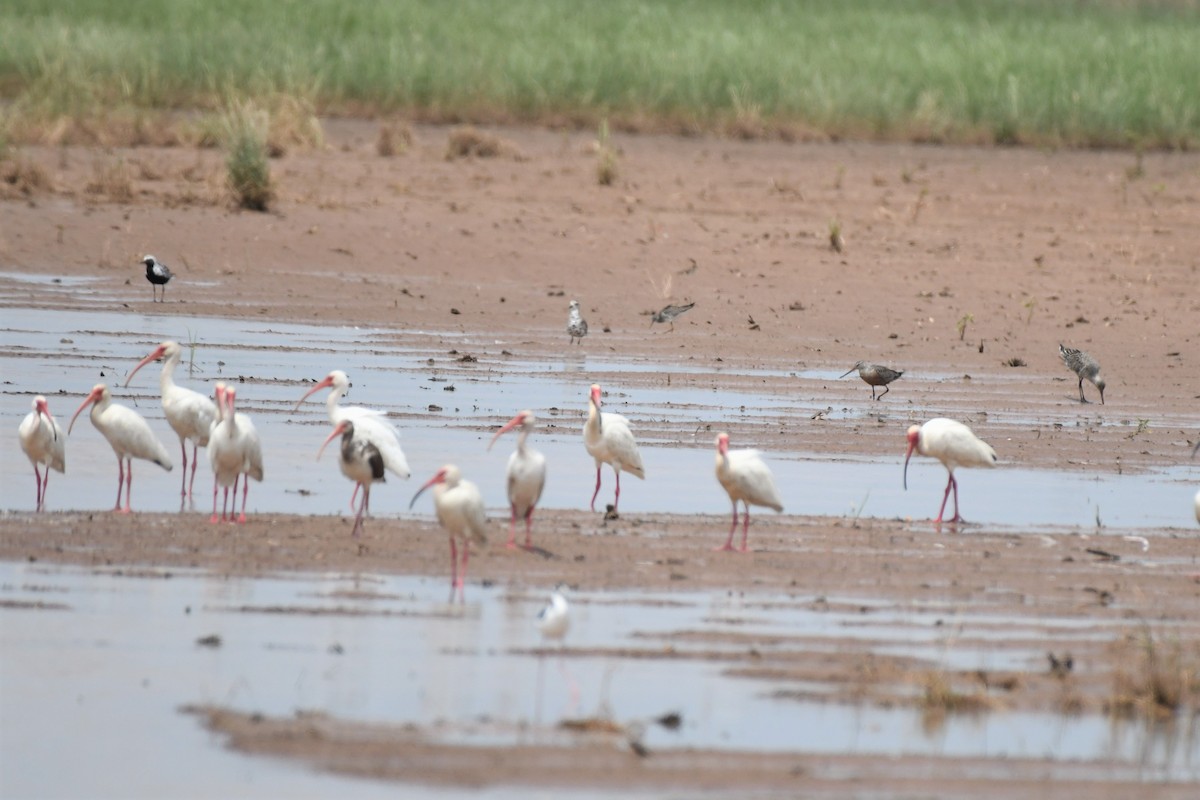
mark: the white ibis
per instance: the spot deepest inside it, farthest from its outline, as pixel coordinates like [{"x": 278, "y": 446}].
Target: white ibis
[
  {"x": 526, "y": 476},
  {"x": 745, "y": 477},
  {"x": 44, "y": 443},
  {"x": 158, "y": 274},
  {"x": 1085, "y": 368},
  {"x": 576, "y": 324},
  {"x": 610, "y": 441},
  {"x": 189, "y": 413},
  {"x": 369, "y": 425},
  {"x": 129, "y": 435},
  {"x": 360, "y": 461},
  {"x": 874, "y": 375},
  {"x": 247, "y": 445},
  {"x": 460, "y": 511},
  {"x": 954, "y": 445},
  {"x": 224, "y": 455}
]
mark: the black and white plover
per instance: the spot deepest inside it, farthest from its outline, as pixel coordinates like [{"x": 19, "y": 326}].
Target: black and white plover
[
  {"x": 576, "y": 324},
  {"x": 1085, "y": 367},
  {"x": 158, "y": 274},
  {"x": 875, "y": 375},
  {"x": 670, "y": 313}
]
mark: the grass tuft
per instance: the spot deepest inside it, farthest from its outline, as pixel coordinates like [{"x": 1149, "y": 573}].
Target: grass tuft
[
  {"x": 20, "y": 177},
  {"x": 606, "y": 157},
  {"x": 394, "y": 138},
  {"x": 248, "y": 171},
  {"x": 1155, "y": 679},
  {"x": 111, "y": 180},
  {"x": 468, "y": 141}
]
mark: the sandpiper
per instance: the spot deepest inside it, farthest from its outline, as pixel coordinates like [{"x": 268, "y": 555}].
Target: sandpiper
[
  {"x": 670, "y": 313},
  {"x": 874, "y": 375},
  {"x": 1084, "y": 366}
]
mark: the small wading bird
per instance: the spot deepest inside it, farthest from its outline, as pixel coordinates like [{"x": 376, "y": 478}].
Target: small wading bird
[
  {"x": 744, "y": 477},
  {"x": 609, "y": 440},
  {"x": 669, "y": 314},
  {"x": 44, "y": 443},
  {"x": 553, "y": 621},
  {"x": 369, "y": 425},
  {"x": 360, "y": 461},
  {"x": 158, "y": 274},
  {"x": 576, "y": 324},
  {"x": 874, "y": 375},
  {"x": 460, "y": 511},
  {"x": 189, "y": 413},
  {"x": 127, "y": 433},
  {"x": 234, "y": 451},
  {"x": 526, "y": 476},
  {"x": 1085, "y": 368},
  {"x": 954, "y": 445}
]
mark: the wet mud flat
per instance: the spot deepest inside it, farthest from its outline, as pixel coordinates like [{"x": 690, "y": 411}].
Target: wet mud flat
[{"x": 880, "y": 655}]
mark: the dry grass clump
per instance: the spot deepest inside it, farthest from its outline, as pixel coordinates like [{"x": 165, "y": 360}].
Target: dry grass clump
[
  {"x": 291, "y": 124},
  {"x": 1155, "y": 679},
  {"x": 939, "y": 698},
  {"x": 20, "y": 177},
  {"x": 394, "y": 138},
  {"x": 248, "y": 171},
  {"x": 606, "y": 158},
  {"x": 112, "y": 180},
  {"x": 468, "y": 141}
]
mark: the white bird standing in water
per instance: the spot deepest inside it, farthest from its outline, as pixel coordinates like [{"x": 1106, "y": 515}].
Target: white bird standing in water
[
  {"x": 189, "y": 413},
  {"x": 744, "y": 477},
  {"x": 576, "y": 324},
  {"x": 127, "y": 433},
  {"x": 360, "y": 462},
  {"x": 955, "y": 446},
  {"x": 44, "y": 443},
  {"x": 609, "y": 440},
  {"x": 249, "y": 447},
  {"x": 460, "y": 511},
  {"x": 223, "y": 454},
  {"x": 553, "y": 622},
  {"x": 369, "y": 425},
  {"x": 1085, "y": 368},
  {"x": 526, "y": 476}
]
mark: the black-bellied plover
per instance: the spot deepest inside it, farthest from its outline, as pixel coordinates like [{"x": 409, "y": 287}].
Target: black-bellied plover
[
  {"x": 158, "y": 274},
  {"x": 576, "y": 324},
  {"x": 875, "y": 375},
  {"x": 1084, "y": 366},
  {"x": 670, "y": 313}
]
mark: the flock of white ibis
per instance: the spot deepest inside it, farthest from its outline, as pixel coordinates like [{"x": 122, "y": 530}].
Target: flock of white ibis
[{"x": 370, "y": 448}]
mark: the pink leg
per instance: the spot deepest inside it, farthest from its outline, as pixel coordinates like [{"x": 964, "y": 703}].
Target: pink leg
[
  {"x": 453, "y": 563},
  {"x": 745, "y": 526},
  {"x": 956, "y": 517},
  {"x": 195, "y": 461},
  {"x": 617, "y": 498},
  {"x": 528, "y": 524},
  {"x": 120, "y": 482},
  {"x": 941, "y": 510},
  {"x": 355, "y": 495},
  {"x": 38, "y": 477},
  {"x": 128, "y": 484},
  {"x": 361, "y": 508},
  {"x": 245, "y": 491},
  {"x": 512, "y": 528},
  {"x": 597, "y": 487},
  {"x": 729, "y": 542},
  {"x": 183, "y": 477},
  {"x": 462, "y": 576},
  {"x": 213, "y": 518}
]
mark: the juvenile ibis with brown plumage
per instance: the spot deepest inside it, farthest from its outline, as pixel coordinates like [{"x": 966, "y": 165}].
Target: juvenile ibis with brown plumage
[{"x": 360, "y": 461}]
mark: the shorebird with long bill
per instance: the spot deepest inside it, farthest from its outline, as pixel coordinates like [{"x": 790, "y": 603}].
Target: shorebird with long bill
[
  {"x": 874, "y": 375},
  {"x": 525, "y": 476},
  {"x": 360, "y": 461},
  {"x": 127, "y": 433},
  {"x": 460, "y": 511},
  {"x": 955, "y": 445},
  {"x": 44, "y": 443},
  {"x": 189, "y": 413},
  {"x": 609, "y": 440},
  {"x": 1085, "y": 368},
  {"x": 746, "y": 478}
]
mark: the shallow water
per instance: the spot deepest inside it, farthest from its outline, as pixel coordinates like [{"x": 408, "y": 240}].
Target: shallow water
[
  {"x": 63, "y": 353},
  {"x": 104, "y": 677}
]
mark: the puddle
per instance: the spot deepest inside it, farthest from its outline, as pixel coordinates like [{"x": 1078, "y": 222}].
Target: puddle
[
  {"x": 391, "y": 371},
  {"x": 123, "y": 655}
]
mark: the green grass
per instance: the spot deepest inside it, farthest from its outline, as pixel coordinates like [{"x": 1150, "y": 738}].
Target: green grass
[{"x": 1105, "y": 72}]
